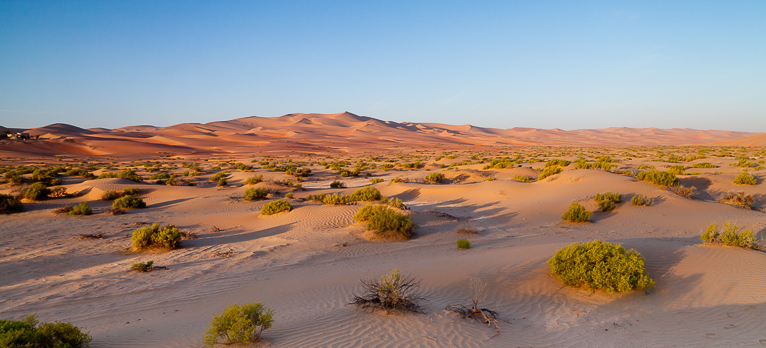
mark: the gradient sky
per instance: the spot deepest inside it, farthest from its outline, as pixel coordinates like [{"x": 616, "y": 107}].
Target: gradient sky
[{"x": 504, "y": 64}]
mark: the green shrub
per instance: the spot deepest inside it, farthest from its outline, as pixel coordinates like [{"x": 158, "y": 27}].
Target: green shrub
[
  {"x": 14, "y": 178},
  {"x": 676, "y": 170},
  {"x": 730, "y": 235},
  {"x": 109, "y": 195},
  {"x": 386, "y": 222},
  {"x": 81, "y": 209},
  {"x": 745, "y": 178},
  {"x": 704, "y": 165},
  {"x": 31, "y": 333},
  {"x": 395, "y": 202},
  {"x": 397, "y": 180},
  {"x": 167, "y": 237},
  {"x": 106, "y": 175},
  {"x": 335, "y": 199},
  {"x": 337, "y": 184},
  {"x": 131, "y": 191},
  {"x": 142, "y": 267},
  {"x": 576, "y": 213},
  {"x": 368, "y": 193},
  {"x": 222, "y": 182},
  {"x": 252, "y": 194},
  {"x": 130, "y": 175},
  {"x": 254, "y": 180},
  {"x": 607, "y": 201},
  {"x": 275, "y": 207},
  {"x": 242, "y": 324},
  {"x": 600, "y": 265},
  {"x": 289, "y": 195},
  {"x": 557, "y": 162},
  {"x": 548, "y": 171},
  {"x": 160, "y": 176},
  {"x": 218, "y": 176},
  {"x": 522, "y": 178},
  {"x": 9, "y": 204},
  {"x": 435, "y": 178},
  {"x": 376, "y": 180},
  {"x": 641, "y": 200},
  {"x": 659, "y": 178},
  {"x": 463, "y": 244},
  {"x": 129, "y": 202},
  {"x": 36, "y": 191}
]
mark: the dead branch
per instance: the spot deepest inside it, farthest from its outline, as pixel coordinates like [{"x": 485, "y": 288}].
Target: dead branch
[
  {"x": 484, "y": 315},
  {"x": 91, "y": 236}
]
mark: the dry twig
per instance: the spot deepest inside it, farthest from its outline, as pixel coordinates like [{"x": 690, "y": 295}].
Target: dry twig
[{"x": 484, "y": 315}]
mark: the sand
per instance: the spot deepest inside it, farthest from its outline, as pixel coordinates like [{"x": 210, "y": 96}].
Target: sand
[{"x": 306, "y": 264}]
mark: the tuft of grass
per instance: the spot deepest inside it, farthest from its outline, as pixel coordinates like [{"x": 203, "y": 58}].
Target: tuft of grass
[
  {"x": 130, "y": 175},
  {"x": 275, "y": 207},
  {"x": 576, "y": 213},
  {"x": 376, "y": 180},
  {"x": 392, "y": 293},
  {"x": 704, "y": 165},
  {"x": 640, "y": 199},
  {"x": 607, "y": 201},
  {"x": 131, "y": 191},
  {"x": 142, "y": 267},
  {"x": 600, "y": 266},
  {"x": 522, "y": 178},
  {"x": 289, "y": 195},
  {"x": 254, "y": 180},
  {"x": 745, "y": 178},
  {"x": 683, "y": 191},
  {"x": 241, "y": 324},
  {"x": 730, "y": 235},
  {"x": 463, "y": 243},
  {"x": 81, "y": 209}
]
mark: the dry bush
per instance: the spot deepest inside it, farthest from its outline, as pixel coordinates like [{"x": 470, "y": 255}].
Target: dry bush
[
  {"x": 392, "y": 293},
  {"x": 63, "y": 210},
  {"x": 484, "y": 315},
  {"x": 9, "y": 204},
  {"x": 683, "y": 191},
  {"x": 640, "y": 199},
  {"x": 738, "y": 199},
  {"x": 466, "y": 227}
]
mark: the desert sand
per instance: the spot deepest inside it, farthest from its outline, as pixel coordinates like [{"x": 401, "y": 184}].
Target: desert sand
[{"x": 306, "y": 264}]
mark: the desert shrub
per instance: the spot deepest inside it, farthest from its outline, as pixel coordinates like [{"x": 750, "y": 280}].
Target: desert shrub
[
  {"x": 548, "y": 171},
  {"x": 435, "y": 177},
  {"x": 522, "y": 178},
  {"x": 704, "y": 165},
  {"x": 392, "y": 293},
  {"x": 659, "y": 178},
  {"x": 109, "y": 195},
  {"x": 576, "y": 213},
  {"x": 386, "y": 222},
  {"x": 600, "y": 265},
  {"x": 683, "y": 191},
  {"x": 218, "y": 176},
  {"x": 254, "y": 180},
  {"x": 9, "y": 204},
  {"x": 222, "y": 182},
  {"x": 395, "y": 202},
  {"x": 129, "y": 202},
  {"x": 142, "y": 267},
  {"x": 463, "y": 244},
  {"x": 106, "y": 175},
  {"x": 275, "y": 207},
  {"x": 31, "y": 333},
  {"x": 335, "y": 199},
  {"x": 252, "y": 194},
  {"x": 36, "y": 191},
  {"x": 14, "y": 178},
  {"x": 337, "y": 184},
  {"x": 242, "y": 324},
  {"x": 745, "y": 178},
  {"x": 730, "y": 235},
  {"x": 58, "y": 192},
  {"x": 81, "y": 209},
  {"x": 466, "y": 227},
  {"x": 738, "y": 199},
  {"x": 368, "y": 193},
  {"x": 289, "y": 195},
  {"x": 397, "y": 180},
  {"x": 131, "y": 191},
  {"x": 557, "y": 162},
  {"x": 167, "y": 237},
  {"x": 676, "y": 169},
  {"x": 641, "y": 200},
  {"x": 376, "y": 180},
  {"x": 607, "y": 201},
  {"x": 130, "y": 175}
]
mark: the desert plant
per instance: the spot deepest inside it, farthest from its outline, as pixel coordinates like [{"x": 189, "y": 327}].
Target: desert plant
[
  {"x": 659, "y": 178},
  {"x": 36, "y": 191},
  {"x": 58, "y": 192},
  {"x": 640, "y": 199},
  {"x": 81, "y": 209},
  {"x": 167, "y": 237},
  {"x": 484, "y": 315},
  {"x": 130, "y": 175},
  {"x": 607, "y": 201},
  {"x": 730, "y": 235},
  {"x": 252, "y": 194},
  {"x": 129, "y": 202},
  {"x": 218, "y": 176},
  {"x": 576, "y": 213},
  {"x": 386, "y": 222},
  {"x": 738, "y": 199},
  {"x": 435, "y": 178},
  {"x": 131, "y": 191},
  {"x": 397, "y": 180},
  {"x": 109, "y": 195},
  {"x": 106, "y": 175},
  {"x": 521, "y": 178},
  {"x": 683, "y": 191},
  {"x": 222, "y": 182},
  {"x": 254, "y": 180},
  {"x": 275, "y": 207},
  {"x": 704, "y": 165},
  {"x": 676, "y": 169},
  {"x": 463, "y": 243},
  {"x": 466, "y": 227},
  {"x": 289, "y": 195},
  {"x": 31, "y": 333},
  {"x": 600, "y": 265},
  {"x": 392, "y": 293},
  {"x": 9, "y": 204},
  {"x": 337, "y": 184},
  {"x": 142, "y": 267},
  {"x": 745, "y": 178},
  {"x": 335, "y": 199},
  {"x": 395, "y": 202},
  {"x": 242, "y": 324},
  {"x": 548, "y": 171},
  {"x": 376, "y": 180},
  {"x": 368, "y": 193}
]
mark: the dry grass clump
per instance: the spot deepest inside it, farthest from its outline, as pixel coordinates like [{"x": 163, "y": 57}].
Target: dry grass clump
[
  {"x": 738, "y": 199},
  {"x": 386, "y": 223},
  {"x": 142, "y": 266},
  {"x": 607, "y": 201},
  {"x": 239, "y": 324},
  {"x": 167, "y": 237},
  {"x": 330, "y": 199},
  {"x": 745, "y": 178},
  {"x": 466, "y": 227},
  {"x": 484, "y": 315},
  {"x": 63, "y": 210},
  {"x": 600, "y": 265},
  {"x": 9, "y": 204},
  {"x": 392, "y": 293},
  {"x": 730, "y": 235},
  {"x": 275, "y": 207},
  {"x": 376, "y": 180},
  {"x": 576, "y": 213},
  {"x": 683, "y": 191},
  {"x": 640, "y": 199}
]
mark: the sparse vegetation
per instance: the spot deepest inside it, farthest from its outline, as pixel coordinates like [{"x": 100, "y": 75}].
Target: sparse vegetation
[
  {"x": 386, "y": 222},
  {"x": 241, "y": 324},
  {"x": 32, "y": 333},
  {"x": 435, "y": 178},
  {"x": 730, "y": 235},
  {"x": 9, "y": 204},
  {"x": 129, "y": 202},
  {"x": 576, "y": 213},
  {"x": 275, "y": 207},
  {"x": 607, "y": 201},
  {"x": 130, "y": 191},
  {"x": 166, "y": 237},
  {"x": 600, "y": 265},
  {"x": 254, "y": 180},
  {"x": 392, "y": 293},
  {"x": 109, "y": 195},
  {"x": 36, "y": 191},
  {"x": 704, "y": 165},
  {"x": 130, "y": 175},
  {"x": 463, "y": 243},
  {"x": 142, "y": 267},
  {"x": 640, "y": 199},
  {"x": 745, "y": 178},
  {"x": 659, "y": 178},
  {"x": 81, "y": 209},
  {"x": 521, "y": 178},
  {"x": 376, "y": 180},
  {"x": 367, "y": 193},
  {"x": 337, "y": 184},
  {"x": 549, "y": 171},
  {"x": 683, "y": 191},
  {"x": 253, "y": 194},
  {"x": 737, "y": 198}
]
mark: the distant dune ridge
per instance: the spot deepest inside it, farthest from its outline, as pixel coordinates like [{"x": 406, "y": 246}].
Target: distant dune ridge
[{"x": 345, "y": 132}]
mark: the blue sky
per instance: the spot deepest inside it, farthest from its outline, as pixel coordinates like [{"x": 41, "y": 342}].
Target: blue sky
[{"x": 544, "y": 64}]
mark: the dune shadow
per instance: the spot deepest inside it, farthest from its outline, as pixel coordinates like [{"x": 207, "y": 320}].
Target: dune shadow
[
  {"x": 169, "y": 203},
  {"x": 408, "y": 195},
  {"x": 232, "y": 236}
]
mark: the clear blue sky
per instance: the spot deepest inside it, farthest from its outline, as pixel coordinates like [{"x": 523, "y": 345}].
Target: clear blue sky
[{"x": 545, "y": 64}]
